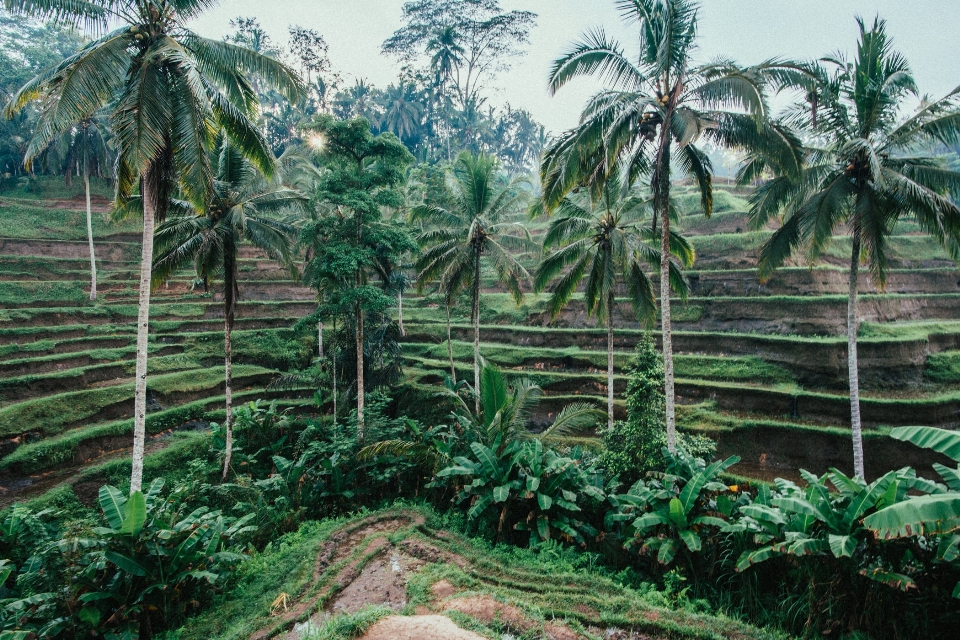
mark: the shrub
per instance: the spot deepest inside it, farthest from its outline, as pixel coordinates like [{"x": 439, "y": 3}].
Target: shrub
[{"x": 633, "y": 448}]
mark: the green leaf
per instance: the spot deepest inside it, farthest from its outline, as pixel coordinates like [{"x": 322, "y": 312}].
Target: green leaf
[
  {"x": 112, "y": 501},
  {"x": 842, "y": 546},
  {"x": 677, "y": 514},
  {"x": 940, "y": 440},
  {"x": 134, "y": 514},
  {"x": 691, "y": 539},
  {"x": 501, "y": 493},
  {"x": 890, "y": 578},
  {"x": 478, "y": 507},
  {"x": 924, "y": 515},
  {"x": 533, "y": 483},
  {"x": 668, "y": 550},
  {"x": 543, "y": 527},
  {"x": 90, "y": 615},
  {"x": 126, "y": 564},
  {"x": 544, "y": 501}
]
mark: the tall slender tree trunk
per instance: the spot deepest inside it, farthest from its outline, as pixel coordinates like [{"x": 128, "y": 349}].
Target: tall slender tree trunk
[
  {"x": 143, "y": 327},
  {"x": 610, "y": 303},
  {"x": 400, "y": 313},
  {"x": 360, "y": 384},
  {"x": 661, "y": 203},
  {"x": 320, "y": 338},
  {"x": 475, "y": 313},
  {"x": 334, "y": 359},
  {"x": 93, "y": 256},
  {"x": 852, "y": 368},
  {"x": 228, "y": 395},
  {"x": 453, "y": 369}
]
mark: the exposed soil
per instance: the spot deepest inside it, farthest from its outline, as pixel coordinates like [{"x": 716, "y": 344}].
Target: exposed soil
[
  {"x": 382, "y": 582},
  {"x": 490, "y": 611},
  {"x": 425, "y": 627}
]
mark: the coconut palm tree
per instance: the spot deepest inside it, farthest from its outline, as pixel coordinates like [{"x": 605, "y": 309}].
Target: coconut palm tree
[
  {"x": 647, "y": 123},
  {"x": 473, "y": 229},
  {"x": 402, "y": 111},
  {"x": 607, "y": 239},
  {"x": 84, "y": 147},
  {"x": 239, "y": 211},
  {"x": 447, "y": 55},
  {"x": 867, "y": 167},
  {"x": 164, "y": 86}
]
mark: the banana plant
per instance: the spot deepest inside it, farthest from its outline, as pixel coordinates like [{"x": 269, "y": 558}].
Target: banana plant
[
  {"x": 683, "y": 506},
  {"x": 536, "y": 489},
  {"x": 815, "y": 521},
  {"x": 935, "y": 514},
  {"x": 150, "y": 561}
]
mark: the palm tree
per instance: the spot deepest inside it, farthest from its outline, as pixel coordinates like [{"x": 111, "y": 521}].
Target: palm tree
[
  {"x": 402, "y": 111},
  {"x": 239, "y": 209},
  {"x": 447, "y": 55},
  {"x": 472, "y": 229},
  {"x": 866, "y": 169},
  {"x": 646, "y": 124},
  {"x": 85, "y": 147},
  {"x": 164, "y": 86},
  {"x": 605, "y": 238}
]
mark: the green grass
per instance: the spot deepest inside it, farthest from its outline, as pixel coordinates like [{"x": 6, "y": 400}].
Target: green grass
[
  {"x": 943, "y": 368},
  {"x": 555, "y": 587},
  {"x": 51, "y": 414},
  {"x": 50, "y": 452},
  {"x": 693, "y": 366},
  {"x": 55, "y": 188},
  {"x": 23, "y": 219}
]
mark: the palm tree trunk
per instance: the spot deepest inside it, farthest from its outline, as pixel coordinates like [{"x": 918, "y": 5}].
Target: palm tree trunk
[
  {"x": 320, "y": 338},
  {"x": 334, "y": 359},
  {"x": 453, "y": 370},
  {"x": 475, "y": 313},
  {"x": 400, "y": 313},
  {"x": 93, "y": 257},
  {"x": 228, "y": 395},
  {"x": 610, "y": 303},
  {"x": 852, "y": 368},
  {"x": 360, "y": 385},
  {"x": 661, "y": 203},
  {"x": 143, "y": 322}
]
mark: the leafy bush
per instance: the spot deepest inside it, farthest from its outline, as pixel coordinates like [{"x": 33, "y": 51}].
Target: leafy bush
[
  {"x": 633, "y": 448},
  {"x": 679, "y": 511},
  {"x": 531, "y": 487}
]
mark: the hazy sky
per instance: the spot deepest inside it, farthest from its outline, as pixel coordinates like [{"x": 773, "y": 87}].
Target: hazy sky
[{"x": 746, "y": 30}]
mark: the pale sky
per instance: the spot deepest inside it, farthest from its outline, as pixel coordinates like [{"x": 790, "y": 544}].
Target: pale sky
[{"x": 748, "y": 31}]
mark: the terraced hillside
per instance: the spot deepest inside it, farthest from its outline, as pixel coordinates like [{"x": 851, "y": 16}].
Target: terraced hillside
[
  {"x": 760, "y": 367},
  {"x": 67, "y": 364}
]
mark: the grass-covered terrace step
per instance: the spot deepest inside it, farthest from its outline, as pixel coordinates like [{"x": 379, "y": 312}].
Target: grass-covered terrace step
[
  {"x": 891, "y": 356},
  {"x": 77, "y": 445},
  {"x": 162, "y": 311},
  {"x": 54, "y": 414},
  {"x": 775, "y": 401}
]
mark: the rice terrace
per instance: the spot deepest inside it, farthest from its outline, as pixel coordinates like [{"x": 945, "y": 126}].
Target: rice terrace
[{"x": 479, "y": 319}]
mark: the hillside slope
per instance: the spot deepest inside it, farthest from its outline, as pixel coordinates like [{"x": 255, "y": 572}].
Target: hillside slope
[{"x": 403, "y": 562}]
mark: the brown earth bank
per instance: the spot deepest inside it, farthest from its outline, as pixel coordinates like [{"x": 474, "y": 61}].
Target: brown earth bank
[
  {"x": 34, "y": 367},
  {"x": 797, "y": 316},
  {"x": 768, "y": 452},
  {"x": 941, "y": 412},
  {"x": 109, "y": 248},
  {"x": 817, "y": 282}
]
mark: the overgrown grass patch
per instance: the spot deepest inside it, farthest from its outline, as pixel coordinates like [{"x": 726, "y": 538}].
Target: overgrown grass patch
[{"x": 50, "y": 415}]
